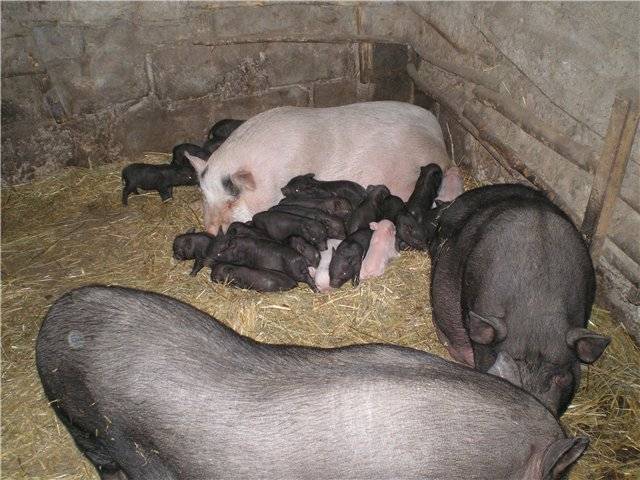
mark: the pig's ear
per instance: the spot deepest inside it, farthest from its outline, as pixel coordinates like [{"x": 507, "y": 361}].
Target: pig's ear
[
  {"x": 587, "y": 344},
  {"x": 243, "y": 179},
  {"x": 486, "y": 330},
  {"x": 197, "y": 163},
  {"x": 191, "y": 230},
  {"x": 560, "y": 455}
]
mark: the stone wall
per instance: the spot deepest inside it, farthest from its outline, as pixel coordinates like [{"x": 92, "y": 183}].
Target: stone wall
[{"x": 87, "y": 83}]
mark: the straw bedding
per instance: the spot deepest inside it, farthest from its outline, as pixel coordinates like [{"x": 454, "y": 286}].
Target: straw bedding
[{"x": 71, "y": 230}]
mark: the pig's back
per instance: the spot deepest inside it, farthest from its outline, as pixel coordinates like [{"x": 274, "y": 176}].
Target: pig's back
[
  {"x": 165, "y": 371},
  {"x": 369, "y": 143}
]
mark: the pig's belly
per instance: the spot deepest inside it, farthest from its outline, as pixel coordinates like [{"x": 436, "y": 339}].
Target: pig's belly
[{"x": 400, "y": 182}]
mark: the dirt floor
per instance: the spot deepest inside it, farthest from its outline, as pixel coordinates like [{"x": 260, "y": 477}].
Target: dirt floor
[{"x": 71, "y": 230}]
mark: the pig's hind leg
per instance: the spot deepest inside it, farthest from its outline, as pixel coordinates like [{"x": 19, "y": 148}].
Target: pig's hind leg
[
  {"x": 166, "y": 193},
  {"x": 127, "y": 190},
  {"x": 198, "y": 265}
]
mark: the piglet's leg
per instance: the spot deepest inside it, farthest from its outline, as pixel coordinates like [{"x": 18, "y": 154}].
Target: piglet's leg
[
  {"x": 197, "y": 266},
  {"x": 166, "y": 193}
]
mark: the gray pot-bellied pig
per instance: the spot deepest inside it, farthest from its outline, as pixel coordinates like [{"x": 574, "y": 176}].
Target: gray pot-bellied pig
[
  {"x": 374, "y": 143},
  {"x": 512, "y": 289},
  {"x": 198, "y": 246},
  {"x": 347, "y": 259},
  {"x": 338, "y": 206},
  {"x": 425, "y": 191},
  {"x": 280, "y": 226},
  {"x": 265, "y": 255},
  {"x": 369, "y": 210},
  {"x": 309, "y": 186},
  {"x": 334, "y": 225},
  {"x": 252, "y": 278},
  {"x": 154, "y": 177},
  {"x": 151, "y": 388}
]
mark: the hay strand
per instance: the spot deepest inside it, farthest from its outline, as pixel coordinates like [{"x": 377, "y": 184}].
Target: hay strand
[{"x": 71, "y": 230}]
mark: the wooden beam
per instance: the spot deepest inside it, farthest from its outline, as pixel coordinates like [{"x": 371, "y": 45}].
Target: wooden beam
[
  {"x": 610, "y": 170},
  {"x": 578, "y": 154},
  {"x": 471, "y": 120}
]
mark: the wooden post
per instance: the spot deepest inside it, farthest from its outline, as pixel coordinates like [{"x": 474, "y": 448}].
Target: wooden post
[{"x": 610, "y": 170}]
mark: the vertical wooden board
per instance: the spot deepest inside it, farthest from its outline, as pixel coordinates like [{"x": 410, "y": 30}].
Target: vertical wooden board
[{"x": 610, "y": 171}]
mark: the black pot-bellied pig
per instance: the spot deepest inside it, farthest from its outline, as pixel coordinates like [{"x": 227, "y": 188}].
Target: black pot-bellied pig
[
  {"x": 307, "y": 185},
  {"x": 178, "y": 158},
  {"x": 252, "y": 278},
  {"x": 265, "y": 255},
  {"x": 239, "y": 229},
  {"x": 151, "y": 388},
  {"x": 219, "y": 133},
  {"x": 338, "y": 206},
  {"x": 347, "y": 259},
  {"x": 222, "y": 129},
  {"x": 198, "y": 246},
  {"x": 425, "y": 191},
  {"x": 369, "y": 210},
  {"x": 304, "y": 248},
  {"x": 155, "y": 177},
  {"x": 371, "y": 143},
  {"x": 280, "y": 226},
  {"x": 512, "y": 289},
  {"x": 409, "y": 233},
  {"x": 333, "y": 225}
]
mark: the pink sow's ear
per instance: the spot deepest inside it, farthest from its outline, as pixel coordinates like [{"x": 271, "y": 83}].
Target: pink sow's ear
[
  {"x": 244, "y": 179},
  {"x": 197, "y": 163}
]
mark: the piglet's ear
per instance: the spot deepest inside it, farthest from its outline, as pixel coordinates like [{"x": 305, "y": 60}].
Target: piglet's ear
[
  {"x": 486, "y": 330},
  {"x": 244, "y": 179},
  {"x": 312, "y": 272},
  {"x": 587, "y": 344},
  {"x": 197, "y": 163},
  {"x": 560, "y": 455}
]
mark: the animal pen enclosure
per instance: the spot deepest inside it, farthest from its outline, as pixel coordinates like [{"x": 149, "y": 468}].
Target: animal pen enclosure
[{"x": 524, "y": 92}]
